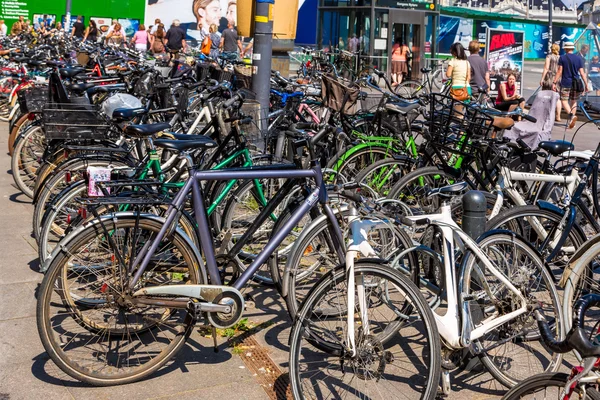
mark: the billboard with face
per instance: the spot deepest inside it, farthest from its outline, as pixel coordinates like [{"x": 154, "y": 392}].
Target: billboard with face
[{"x": 195, "y": 15}]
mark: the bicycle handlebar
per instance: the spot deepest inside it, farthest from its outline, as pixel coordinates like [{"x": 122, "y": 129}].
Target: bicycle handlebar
[{"x": 576, "y": 339}]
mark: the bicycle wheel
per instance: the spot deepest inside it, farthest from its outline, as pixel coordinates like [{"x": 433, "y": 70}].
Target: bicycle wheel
[
  {"x": 26, "y": 157},
  {"x": 549, "y": 385},
  {"x": 582, "y": 277},
  {"x": 534, "y": 225},
  {"x": 406, "y": 365},
  {"x": 413, "y": 187},
  {"x": 513, "y": 351},
  {"x": 351, "y": 163},
  {"x": 383, "y": 175},
  {"x": 88, "y": 322},
  {"x": 410, "y": 89}
]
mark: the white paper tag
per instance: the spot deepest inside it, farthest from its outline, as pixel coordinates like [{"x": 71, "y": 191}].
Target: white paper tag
[{"x": 97, "y": 174}]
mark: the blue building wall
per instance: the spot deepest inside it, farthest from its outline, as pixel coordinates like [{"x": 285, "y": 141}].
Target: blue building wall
[{"x": 306, "y": 31}]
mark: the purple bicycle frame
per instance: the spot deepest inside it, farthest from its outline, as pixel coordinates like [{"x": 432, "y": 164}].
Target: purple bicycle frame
[{"x": 318, "y": 194}]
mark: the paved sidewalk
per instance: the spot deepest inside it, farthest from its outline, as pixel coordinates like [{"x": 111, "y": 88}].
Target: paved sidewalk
[{"x": 196, "y": 373}]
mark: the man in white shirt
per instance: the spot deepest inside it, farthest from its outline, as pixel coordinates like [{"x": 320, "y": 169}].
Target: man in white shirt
[
  {"x": 3, "y": 28},
  {"x": 155, "y": 26}
]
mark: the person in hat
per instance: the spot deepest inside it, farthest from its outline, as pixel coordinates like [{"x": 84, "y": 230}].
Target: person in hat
[{"x": 570, "y": 69}]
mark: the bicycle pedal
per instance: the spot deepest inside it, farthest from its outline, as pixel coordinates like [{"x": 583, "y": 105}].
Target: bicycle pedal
[
  {"x": 194, "y": 309},
  {"x": 473, "y": 296}
]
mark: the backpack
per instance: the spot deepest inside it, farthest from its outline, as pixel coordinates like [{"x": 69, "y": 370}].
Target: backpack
[{"x": 206, "y": 45}]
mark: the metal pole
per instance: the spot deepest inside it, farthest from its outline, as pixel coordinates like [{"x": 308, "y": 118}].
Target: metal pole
[
  {"x": 434, "y": 24},
  {"x": 550, "y": 7},
  {"x": 261, "y": 57},
  {"x": 67, "y": 17}
]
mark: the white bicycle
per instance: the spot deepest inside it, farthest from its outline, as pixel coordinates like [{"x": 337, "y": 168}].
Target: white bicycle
[{"x": 481, "y": 292}]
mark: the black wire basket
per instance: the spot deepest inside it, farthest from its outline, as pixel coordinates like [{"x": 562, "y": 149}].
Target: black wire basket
[
  {"x": 74, "y": 121},
  {"x": 454, "y": 124},
  {"x": 32, "y": 100},
  {"x": 220, "y": 75},
  {"x": 202, "y": 71}
]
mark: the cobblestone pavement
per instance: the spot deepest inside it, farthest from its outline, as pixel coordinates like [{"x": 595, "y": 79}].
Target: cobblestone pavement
[{"x": 196, "y": 373}]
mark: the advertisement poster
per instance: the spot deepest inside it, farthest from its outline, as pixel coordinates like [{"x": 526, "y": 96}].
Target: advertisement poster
[
  {"x": 504, "y": 56},
  {"x": 130, "y": 26},
  {"x": 450, "y": 31},
  {"x": 191, "y": 13},
  {"x": 535, "y": 42},
  {"x": 46, "y": 20},
  {"x": 102, "y": 23}
]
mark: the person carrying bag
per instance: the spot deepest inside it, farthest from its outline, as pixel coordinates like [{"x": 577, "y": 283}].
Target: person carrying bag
[
  {"x": 459, "y": 70},
  {"x": 573, "y": 82}
]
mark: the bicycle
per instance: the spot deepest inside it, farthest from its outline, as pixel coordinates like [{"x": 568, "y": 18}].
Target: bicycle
[
  {"x": 144, "y": 290},
  {"x": 484, "y": 304}
]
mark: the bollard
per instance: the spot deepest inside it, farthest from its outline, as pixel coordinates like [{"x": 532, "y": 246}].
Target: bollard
[{"x": 474, "y": 210}]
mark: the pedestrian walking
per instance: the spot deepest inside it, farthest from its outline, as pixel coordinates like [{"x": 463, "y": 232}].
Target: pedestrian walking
[
  {"x": 573, "y": 81},
  {"x": 549, "y": 73},
  {"x": 459, "y": 70},
  {"x": 175, "y": 38},
  {"x": 91, "y": 33},
  {"x": 78, "y": 28},
  {"x": 157, "y": 41},
  {"x": 399, "y": 61},
  {"x": 215, "y": 38},
  {"x": 480, "y": 71},
  {"x": 140, "y": 39},
  {"x": 231, "y": 43}
]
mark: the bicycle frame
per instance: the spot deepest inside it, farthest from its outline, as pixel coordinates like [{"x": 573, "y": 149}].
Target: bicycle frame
[
  {"x": 284, "y": 171},
  {"x": 449, "y": 324}
]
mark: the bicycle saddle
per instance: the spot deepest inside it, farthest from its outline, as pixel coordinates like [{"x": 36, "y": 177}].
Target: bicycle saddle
[
  {"x": 71, "y": 72},
  {"x": 127, "y": 114},
  {"x": 400, "y": 108},
  {"x": 22, "y": 59},
  {"x": 448, "y": 190},
  {"x": 503, "y": 123},
  {"x": 178, "y": 136},
  {"x": 200, "y": 142},
  {"x": 79, "y": 88},
  {"x": 425, "y": 70},
  {"x": 556, "y": 147},
  {"x": 35, "y": 63},
  {"x": 55, "y": 63},
  {"x": 142, "y": 131}
]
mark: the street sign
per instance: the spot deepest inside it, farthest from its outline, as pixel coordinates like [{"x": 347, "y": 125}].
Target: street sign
[{"x": 413, "y": 5}]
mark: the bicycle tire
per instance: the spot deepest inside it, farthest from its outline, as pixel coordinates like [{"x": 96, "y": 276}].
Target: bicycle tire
[
  {"x": 517, "y": 220},
  {"x": 53, "y": 330},
  {"x": 424, "y": 374},
  {"x": 383, "y": 175},
  {"x": 348, "y": 166},
  {"x": 409, "y": 89},
  {"x": 525, "y": 269},
  {"x": 556, "y": 380},
  {"x": 28, "y": 149}
]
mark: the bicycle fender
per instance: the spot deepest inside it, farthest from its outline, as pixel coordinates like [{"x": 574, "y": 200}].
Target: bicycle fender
[
  {"x": 546, "y": 205},
  {"x": 575, "y": 258},
  {"x": 349, "y": 152},
  {"x": 307, "y": 229},
  {"x": 121, "y": 215}
]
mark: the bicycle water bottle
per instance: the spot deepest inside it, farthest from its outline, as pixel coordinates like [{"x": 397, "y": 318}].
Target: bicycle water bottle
[{"x": 474, "y": 210}]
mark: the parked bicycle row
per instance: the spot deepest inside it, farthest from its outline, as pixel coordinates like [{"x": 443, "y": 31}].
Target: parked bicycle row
[{"x": 407, "y": 236}]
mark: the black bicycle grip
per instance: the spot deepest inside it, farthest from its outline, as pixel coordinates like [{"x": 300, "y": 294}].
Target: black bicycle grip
[
  {"x": 231, "y": 101},
  {"x": 582, "y": 305},
  {"x": 308, "y": 125},
  {"x": 530, "y": 118},
  {"x": 407, "y": 221},
  {"x": 556, "y": 346},
  {"x": 523, "y": 145},
  {"x": 352, "y": 195}
]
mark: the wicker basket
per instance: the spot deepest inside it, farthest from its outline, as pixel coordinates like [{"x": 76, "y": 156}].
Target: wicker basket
[
  {"x": 74, "y": 121},
  {"x": 339, "y": 95},
  {"x": 242, "y": 77}
]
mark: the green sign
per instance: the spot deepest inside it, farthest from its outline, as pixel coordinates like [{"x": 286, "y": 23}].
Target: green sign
[{"x": 414, "y": 5}]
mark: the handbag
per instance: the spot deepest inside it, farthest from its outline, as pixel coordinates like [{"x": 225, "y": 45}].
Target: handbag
[
  {"x": 576, "y": 83},
  {"x": 460, "y": 94}
]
